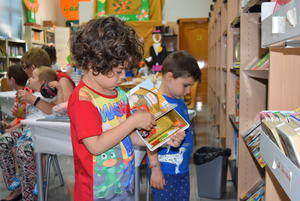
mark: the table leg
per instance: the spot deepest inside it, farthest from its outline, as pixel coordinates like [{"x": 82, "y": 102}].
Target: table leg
[
  {"x": 137, "y": 184},
  {"x": 38, "y": 157}
]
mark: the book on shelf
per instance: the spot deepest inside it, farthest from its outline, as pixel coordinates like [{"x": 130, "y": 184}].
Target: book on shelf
[
  {"x": 256, "y": 193},
  {"x": 290, "y": 139},
  {"x": 262, "y": 64},
  {"x": 273, "y": 119},
  {"x": 269, "y": 128},
  {"x": 168, "y": 120},
  {"x": 252, "y": 140}
]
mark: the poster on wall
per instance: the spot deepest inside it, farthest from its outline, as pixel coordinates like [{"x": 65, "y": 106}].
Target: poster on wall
[
  {"x": 127, "y": 10},
  {"x": 11, "y": 19},
  {"x": 70, "y": 9}
]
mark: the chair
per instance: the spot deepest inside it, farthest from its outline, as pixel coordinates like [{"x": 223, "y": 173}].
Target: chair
[{"x": 52, "y": 160}]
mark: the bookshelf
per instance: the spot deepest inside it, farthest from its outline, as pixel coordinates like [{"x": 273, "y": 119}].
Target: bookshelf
[
  {"x": 11, "y": 51},
  {"x": 39, "y": 36},
  {"x": 236, "y": 96}
]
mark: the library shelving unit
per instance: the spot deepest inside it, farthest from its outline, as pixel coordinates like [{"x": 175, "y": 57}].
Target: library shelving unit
[
  {"x": 38, "y": 36},
  {"x": 237, "y": 95},
  {"x": 11, "y": 51},
  {"x": 282, "y": 95}
]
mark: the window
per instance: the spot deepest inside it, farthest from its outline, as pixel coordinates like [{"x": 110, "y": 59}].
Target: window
[{"x": 11, "y": 13}]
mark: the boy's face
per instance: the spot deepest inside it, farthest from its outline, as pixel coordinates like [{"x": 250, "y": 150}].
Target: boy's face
[
  {"x": 112, "y": 79},
  {"x": 29, "y": 70},
  {"x": 34, "y": 82},
  {"x": 179, "y": 87}
]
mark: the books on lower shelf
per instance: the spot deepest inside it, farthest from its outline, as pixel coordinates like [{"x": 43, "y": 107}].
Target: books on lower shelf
[
  {"x": 168, "y": 120},
  {"x": 252, "y": 140},
  {"x": 256, "y": 193},
  {"x": 262, "y": 64}
]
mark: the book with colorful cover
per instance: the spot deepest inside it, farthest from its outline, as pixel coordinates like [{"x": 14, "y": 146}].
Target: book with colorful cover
[
  {"x": 256, "y": 193},
  {"x": 168, "y": 120}
]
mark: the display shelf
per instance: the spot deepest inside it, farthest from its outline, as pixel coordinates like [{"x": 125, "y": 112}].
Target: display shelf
[
  {"x": 284, "y": 170},
  {"x": 260, "y": 74},
  {"x": 286, "y": 27},
  {"x": 15, "y": 57}
]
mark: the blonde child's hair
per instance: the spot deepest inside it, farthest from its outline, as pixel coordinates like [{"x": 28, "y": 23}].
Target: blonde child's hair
[{"x": 47, "y": 74}]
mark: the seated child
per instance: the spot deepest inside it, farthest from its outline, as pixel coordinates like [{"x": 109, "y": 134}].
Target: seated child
[
  {"x": 20, "y": 138},
  {"x": 17, "y": 79}
]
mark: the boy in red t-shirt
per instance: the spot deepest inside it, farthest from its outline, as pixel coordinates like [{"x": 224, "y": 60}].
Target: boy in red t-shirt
[{"x": 99, "y": 111}]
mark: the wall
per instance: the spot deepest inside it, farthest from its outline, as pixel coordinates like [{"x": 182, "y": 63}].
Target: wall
[
  {"x": 175, "y": 9},
  {"x": 50, "y": 10}
]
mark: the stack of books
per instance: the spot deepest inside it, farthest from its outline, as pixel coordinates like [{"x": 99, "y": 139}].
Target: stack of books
[
  {"x": 252, "y": 140},
  {"x": 256, "y": 193},
  {"x": 262, "y": 64}
]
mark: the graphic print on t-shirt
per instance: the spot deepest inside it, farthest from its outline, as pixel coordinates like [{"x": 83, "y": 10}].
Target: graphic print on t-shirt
[{"x": 113, "y": 170}]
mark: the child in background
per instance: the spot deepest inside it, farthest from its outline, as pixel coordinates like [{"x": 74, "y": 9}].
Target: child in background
[
  {"x": 50, "y": 49},
  {"x": 99, "y": 111},
  {"x": 17, "y": 79},
  {"x": 169, "y": 167}
]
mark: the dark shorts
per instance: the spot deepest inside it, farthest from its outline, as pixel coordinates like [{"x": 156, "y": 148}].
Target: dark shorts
[{"x": 177, "y": 188}]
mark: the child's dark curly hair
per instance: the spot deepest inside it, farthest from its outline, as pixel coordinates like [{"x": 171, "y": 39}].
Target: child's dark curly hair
[{"x": 105, "y": 43}]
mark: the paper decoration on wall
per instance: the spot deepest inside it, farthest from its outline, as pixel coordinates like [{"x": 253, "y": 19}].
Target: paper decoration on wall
[
  {"x": 121, "y": 7},
  {"x": 32, "y": 6},
  {"x": 70, "y": 9}
]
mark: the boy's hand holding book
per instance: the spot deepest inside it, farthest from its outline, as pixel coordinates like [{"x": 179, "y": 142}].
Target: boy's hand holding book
[
  {"x": 143, "y": 120},
  {"x": 176, "y": 139}
]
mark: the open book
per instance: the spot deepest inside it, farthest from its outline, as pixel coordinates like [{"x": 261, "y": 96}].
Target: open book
[{"x": 168, "y": 120}]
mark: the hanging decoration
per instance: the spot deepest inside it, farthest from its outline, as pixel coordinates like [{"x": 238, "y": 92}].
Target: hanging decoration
[
  {"x": 121, "y": 6},
  {"x": 70, "y": 9},
  {"x": 32, "y": 7}
]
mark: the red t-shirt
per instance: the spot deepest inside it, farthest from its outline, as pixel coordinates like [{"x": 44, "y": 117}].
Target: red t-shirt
[
  {"x": 61, "y": 74},
  {"x": 110, "y": 175}
]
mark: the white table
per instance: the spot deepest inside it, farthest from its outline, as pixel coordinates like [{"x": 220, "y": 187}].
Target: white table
[
  {"x": 54, "y": 138},
  {"x": 7, "y": 99}
]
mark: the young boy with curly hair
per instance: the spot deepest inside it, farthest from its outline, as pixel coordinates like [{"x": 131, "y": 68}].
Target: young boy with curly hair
[
  {"x": 99, "y": 111},
  {"x": 169, "y": 167}
]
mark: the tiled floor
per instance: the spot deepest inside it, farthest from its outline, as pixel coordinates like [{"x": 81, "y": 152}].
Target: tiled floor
[{"x": 205, "y": 136}]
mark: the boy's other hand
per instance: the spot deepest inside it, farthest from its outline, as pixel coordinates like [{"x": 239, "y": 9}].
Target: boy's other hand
[
  {"x": 157, "y": 179},
  {"x": 176, "y": 139},
  {"x": 143, "y": 120},
  {"x": 54, "y": 84},
  {"x": 26, "y": 96}
]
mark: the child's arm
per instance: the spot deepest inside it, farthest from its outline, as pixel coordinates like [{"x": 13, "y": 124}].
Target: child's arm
[
  {"x": 67, "y": 88},
  {"x": 30, "y": 98},
  {"x": 101, "y": 143},
  {"x": 157, "y": 179},
  {"x": 175, "y": 140},
  {"x": 59, "y": 96}
]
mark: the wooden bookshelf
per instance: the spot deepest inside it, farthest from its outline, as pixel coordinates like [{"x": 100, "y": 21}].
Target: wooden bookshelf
[
  {"x": 39, "y": 36},
  {"x": 273, "y": 88},
  {"x": 11, "y": 52}
]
